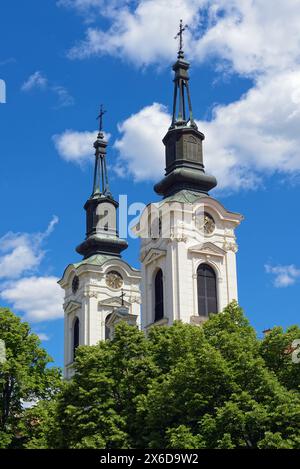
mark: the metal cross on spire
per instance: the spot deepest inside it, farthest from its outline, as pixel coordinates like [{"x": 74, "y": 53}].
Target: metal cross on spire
[
  {"x": 180, "y": 35},
  {"x": 100, "y": 185},
  {"x": 100, "y": 118},
  {"x": 182, "y": 105}
]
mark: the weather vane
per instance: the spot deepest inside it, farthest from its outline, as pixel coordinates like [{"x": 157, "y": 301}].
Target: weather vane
[
  {"x": 180, "y": 34},
  {"x": 100, "y": 118}
]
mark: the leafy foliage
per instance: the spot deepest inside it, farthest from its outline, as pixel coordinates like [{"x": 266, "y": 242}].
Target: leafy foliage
[
  {"x": 184, "y": 386},
  {"x": 24, "y": 375},
  {"x": 98, "y": 408},
  {"x": 181, "y": 387},
  {"x": 38, "y": 426},
  {"x": 277, "y": 350}
]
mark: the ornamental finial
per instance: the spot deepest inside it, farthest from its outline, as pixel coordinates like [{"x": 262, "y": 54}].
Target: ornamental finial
[
  {"x": 100, "y": 185},
  {"x": 180, "y": 35},
  {"x": 100, "y": 118}
]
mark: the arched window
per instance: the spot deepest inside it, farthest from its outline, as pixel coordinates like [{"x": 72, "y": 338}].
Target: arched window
[
  {"x": 207, "y": 290},
  {"x": 158, "y": 296},
  {"x": 107, "y": 329},
  {"x": 75, "y": 336}
]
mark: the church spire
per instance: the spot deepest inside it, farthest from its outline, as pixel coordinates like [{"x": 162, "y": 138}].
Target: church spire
[
  {"x": 101, "y": 208},
  {"x": 100, "y": 185},
  {"x": 183, "y": 141},
  {"x": 182, "y": 104}
]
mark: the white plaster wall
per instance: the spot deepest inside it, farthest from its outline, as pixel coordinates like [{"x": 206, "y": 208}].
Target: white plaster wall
[
  {"x": 94, "y": 301},
  {"x": 182, "y": 254}
]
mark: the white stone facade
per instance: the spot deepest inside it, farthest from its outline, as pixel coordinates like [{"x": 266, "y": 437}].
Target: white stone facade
[
  {"x": 94, "y": 301},
  {"x": 180, "y": 253},
  {"x": 178, "y": 250}
]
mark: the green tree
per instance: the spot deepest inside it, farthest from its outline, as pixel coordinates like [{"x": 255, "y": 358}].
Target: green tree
[
  {"x": 97, "y": 408},
  {"x": 180, "y": 387},
  {"x": 38, "y": 426},
  {"x": 24, "y": 375},
  {"x": 259, "y": 404},
  {"x": 277, "y": 351}
]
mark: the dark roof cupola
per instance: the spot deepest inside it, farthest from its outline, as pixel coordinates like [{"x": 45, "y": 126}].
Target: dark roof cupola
[
  {"x": 183, "y": 141},
  {"x": 101, "y": 208}
]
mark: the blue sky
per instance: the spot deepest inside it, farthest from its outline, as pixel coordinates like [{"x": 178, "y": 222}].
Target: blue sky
[{"x": 61, "y": 59}]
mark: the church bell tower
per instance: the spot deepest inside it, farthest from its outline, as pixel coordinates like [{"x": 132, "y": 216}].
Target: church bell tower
[
  {"x": 102, "y": 289},
  {"x": 188, "y": 243}
]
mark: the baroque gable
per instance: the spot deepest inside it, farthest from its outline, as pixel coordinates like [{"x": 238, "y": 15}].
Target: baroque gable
[
  {"x": 208, "y": 249},
  {"x": 153, "y": 255},
  {"x": 71, "y": 306}
]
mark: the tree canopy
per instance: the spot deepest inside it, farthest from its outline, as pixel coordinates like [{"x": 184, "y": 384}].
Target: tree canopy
[
  {"x": 24, "y": 375},
  {"x": 184, "y": 386}
]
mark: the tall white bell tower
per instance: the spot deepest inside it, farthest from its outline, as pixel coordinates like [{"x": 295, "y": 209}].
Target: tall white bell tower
[
  {"x": 102, "y": 289},
  {"x": 188, "y": 244}
]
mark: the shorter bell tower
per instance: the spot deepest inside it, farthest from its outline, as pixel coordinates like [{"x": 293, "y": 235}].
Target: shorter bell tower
[{"x": 101, "y": 289}]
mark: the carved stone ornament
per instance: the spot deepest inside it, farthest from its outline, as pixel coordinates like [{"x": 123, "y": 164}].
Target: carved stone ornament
[
  {"x": 134, "y": 299},
  {"x": 230, "y": 246},
  {"x": 180, "y": 238},
  {"x": 90, "y": 294}
]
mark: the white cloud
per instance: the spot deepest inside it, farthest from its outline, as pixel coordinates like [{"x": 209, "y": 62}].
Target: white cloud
[
  {"x": 36, "y": 80},
  {"x": 22, "y": 252},
  {"x": 83, "y": 6},
  {"x": 285, "y": 275},
  {"x": 29, "y": 404},
  {"x": 80, "y": 4},
  {"x": 140, "y": 147},
  {"x": 39, "y": 298},
  {"x": 76, "y": 147},
  {"x": 256, "y": 135},
  {"x": 42, "y": 336},
  {"x": 91, "y": 9},
  {"x": 143, "y": 35},
  {"x": 23, "y": 255},
  {"x": 63, "y": 96},
  {"x": 50, "y": 228},
  {"x": 7, "y": 61},
  {"x": 251, "y": 34},
  {"x": 245, "y": 140}
]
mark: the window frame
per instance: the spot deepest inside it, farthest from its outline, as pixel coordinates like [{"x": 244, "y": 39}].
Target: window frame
[
  {"x": 159, "y": 310},
  {"x": 76, "y": 330},
  {"x": 206, "y": 297}
]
